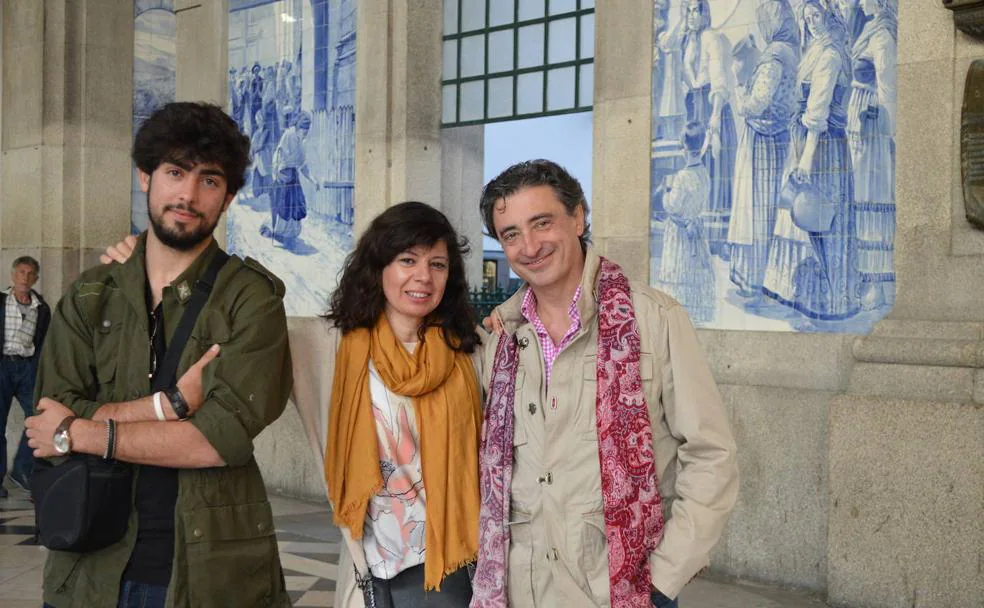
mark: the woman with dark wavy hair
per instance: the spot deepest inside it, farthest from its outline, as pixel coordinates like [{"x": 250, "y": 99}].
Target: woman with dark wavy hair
[{"x": 389, "y": 396}]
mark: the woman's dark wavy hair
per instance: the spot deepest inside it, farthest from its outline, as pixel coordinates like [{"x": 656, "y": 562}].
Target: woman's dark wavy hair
[
  {"x": 359, "y": 299},
  {"x": 189, "y": 133}
]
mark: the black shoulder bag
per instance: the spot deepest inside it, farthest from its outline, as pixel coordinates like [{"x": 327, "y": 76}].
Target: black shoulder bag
[{"x": 83, "y": 504}]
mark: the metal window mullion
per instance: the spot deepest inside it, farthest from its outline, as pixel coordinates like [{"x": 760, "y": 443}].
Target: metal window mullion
[
  {"x": 515, "y": 75},
  {"x": 577, "y": 56},
  {"x": 457, "y": 70},
  {"x": 546, "y": 55},
  {"x": 485, "y": 70}
]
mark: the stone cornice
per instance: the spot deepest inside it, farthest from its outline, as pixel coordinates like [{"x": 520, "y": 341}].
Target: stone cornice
[{"x": 968, "y": 16}]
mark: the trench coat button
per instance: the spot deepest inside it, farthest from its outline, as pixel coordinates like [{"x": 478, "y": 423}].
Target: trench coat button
[
  {"x": 107, "y": 323},
  {"x": 532, "y": 408},
  {"x": 261, "y": 527},
  {"x": 198, "y": 533}
]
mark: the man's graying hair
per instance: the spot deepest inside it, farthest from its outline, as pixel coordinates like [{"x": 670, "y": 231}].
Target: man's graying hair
[
  {"x": 530, "y": 174},
  {"x": 29, "y": 261}
]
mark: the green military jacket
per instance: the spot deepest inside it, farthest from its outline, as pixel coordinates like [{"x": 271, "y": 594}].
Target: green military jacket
[{"x": 98, "y": 351}]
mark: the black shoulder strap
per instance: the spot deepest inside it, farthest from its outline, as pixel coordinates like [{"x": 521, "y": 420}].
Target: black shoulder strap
[{"x": 167, "y": 374}]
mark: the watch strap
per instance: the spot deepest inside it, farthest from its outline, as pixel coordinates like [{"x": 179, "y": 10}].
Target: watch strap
[
  {"x": 178, "y": 403},
  {"x": 63, "y": 428}
]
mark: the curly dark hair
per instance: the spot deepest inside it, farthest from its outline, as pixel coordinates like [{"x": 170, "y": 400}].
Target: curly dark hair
[
  {"x": 185, "y": 132},
  {"x": 359, "y": 300},
  {"x": 529, "y": 174}
]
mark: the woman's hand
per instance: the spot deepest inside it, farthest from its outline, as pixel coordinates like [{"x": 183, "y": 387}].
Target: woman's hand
[{"x": 120, "y": 252}]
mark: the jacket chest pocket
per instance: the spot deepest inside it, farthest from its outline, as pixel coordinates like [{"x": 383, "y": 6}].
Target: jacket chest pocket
[
  {"x": 107, "y": 344},
  {"x": 589, "y": 381},
  {"x": 212, "y": 328}
]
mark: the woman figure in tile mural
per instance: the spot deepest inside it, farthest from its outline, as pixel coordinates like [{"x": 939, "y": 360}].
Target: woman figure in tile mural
[
  {"x": 871, "y": 134},
  {"x": 685, "y": 264},
  {"x": 288, "y": 205},
  {"x": 262, "y": 143},
  {"x": 816, "y": 272},
  {"x": 669, "y": 110},
  {"x": 767, "y": 104},
  {"x": 709, "y": 80}
]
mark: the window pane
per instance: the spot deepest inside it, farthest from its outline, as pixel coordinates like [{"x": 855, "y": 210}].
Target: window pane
[
  {"x": 501, "y": 51},
  {"x": 562, "y": 6},
  {"x": 531, "y": 46},
  {"x": 472, "y": 15},
  {"x": 529, "y": 96},
  {"x": 501, "y": 12},
  {"x": 450, "y": 59},
  {"x": 587, "y": 4},
  {"x": 560, "y": 89},
  {"x": 472, "y": 56},
  {"x": 450, "y": 17},
  {"x": 562, "y": 39},
  {"x": 448, "y": 100},
  {"x": 587, "y": 37},
  {"x": 472, "y": 101},
  {"x": 586, "y": 86},
  {"x": 530, "y": 9},
  {"x": 500, "y": 97}
]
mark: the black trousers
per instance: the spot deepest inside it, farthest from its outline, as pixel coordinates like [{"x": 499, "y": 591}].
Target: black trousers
[{"x": 406, "y": 590}]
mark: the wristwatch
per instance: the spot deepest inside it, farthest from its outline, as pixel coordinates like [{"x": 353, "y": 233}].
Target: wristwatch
[
  {"x": 178, "y": 402},
  {"x": 61, "y": 440}
]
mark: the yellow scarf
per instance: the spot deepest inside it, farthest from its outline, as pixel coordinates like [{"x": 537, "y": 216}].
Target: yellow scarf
[{"x": 444, "y": 390}]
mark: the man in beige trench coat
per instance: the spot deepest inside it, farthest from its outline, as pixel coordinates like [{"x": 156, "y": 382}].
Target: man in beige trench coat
[{"x": 557, "y": 545}]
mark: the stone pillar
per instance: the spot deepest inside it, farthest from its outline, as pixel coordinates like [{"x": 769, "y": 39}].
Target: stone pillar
[
  {"x": 622, "y": 118},
  {"x": 462, "y": 179},
  {"x": 202, "y": 50},
  {"x": 907, "y": 439},
  {"x": 398, "y": 105},
  {"x": 202, "y": 60},
  {"x": 67, "y": 105}
]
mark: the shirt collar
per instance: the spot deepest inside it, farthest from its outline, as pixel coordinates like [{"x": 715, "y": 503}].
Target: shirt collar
[
  {"x": 529, "y": 308},
  {"x": 34, "y": 298}
]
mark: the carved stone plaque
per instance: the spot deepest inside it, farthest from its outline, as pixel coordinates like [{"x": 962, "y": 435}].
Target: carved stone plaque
[{"x": 972, "y": 144}]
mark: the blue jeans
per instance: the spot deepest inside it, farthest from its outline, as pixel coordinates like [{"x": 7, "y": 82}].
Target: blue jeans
[
  {"x": 16, "y": 380},
  {"x": 661, "y": 601},
  {"x": 138, "y": 595}
]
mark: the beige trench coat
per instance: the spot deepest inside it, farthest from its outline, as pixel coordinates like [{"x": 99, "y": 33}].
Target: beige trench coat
[{"x": 559, "y": 553}]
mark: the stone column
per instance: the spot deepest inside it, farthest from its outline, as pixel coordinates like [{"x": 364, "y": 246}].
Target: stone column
[
  {"x": 203, "y": 59},
  {"x": 203, "y": 50},
  {"x": 67, "y": 105},
  {"x": 398, "y": 105},
  {"x": 622, "y": 118},
  {"x": 907, "y": 438},
  {"x": 462, "y": 179}
]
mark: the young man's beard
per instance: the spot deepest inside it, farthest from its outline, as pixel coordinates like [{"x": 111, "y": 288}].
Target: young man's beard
[{"x": 175, "y": 239}]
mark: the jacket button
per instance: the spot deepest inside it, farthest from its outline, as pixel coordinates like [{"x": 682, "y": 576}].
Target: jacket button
[
  {"x": 198, "y": 533},
  {"x": 261, "y": 527},
  {"x": 532, "y": 408}
]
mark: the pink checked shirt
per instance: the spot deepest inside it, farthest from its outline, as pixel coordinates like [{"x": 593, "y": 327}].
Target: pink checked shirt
[{"x": 551, "y": 350}]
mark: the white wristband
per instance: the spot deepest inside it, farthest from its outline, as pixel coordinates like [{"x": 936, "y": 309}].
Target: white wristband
[{"x": 158, "y": 408}]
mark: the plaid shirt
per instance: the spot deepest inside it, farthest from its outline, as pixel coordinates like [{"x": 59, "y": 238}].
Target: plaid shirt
[
  {"x": 551, "y": 350},
  {"x": 18, "y": 334}
]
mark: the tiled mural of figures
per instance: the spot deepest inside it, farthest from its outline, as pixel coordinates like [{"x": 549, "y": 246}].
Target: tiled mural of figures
[
  {"x": 291, "y": 86},
  {"x": 796, "y": 103},
  {"x": 154, "y": 40}
]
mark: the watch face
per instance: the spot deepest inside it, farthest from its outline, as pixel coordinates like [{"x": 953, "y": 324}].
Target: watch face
[{"x": 61, "y": 442}]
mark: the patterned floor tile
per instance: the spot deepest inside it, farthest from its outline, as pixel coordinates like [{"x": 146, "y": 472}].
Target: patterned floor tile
[{"x": 315, "y": 598}]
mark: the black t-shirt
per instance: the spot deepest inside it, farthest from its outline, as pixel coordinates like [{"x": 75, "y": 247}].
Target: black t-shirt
[{"x": 157, "y": 493}]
